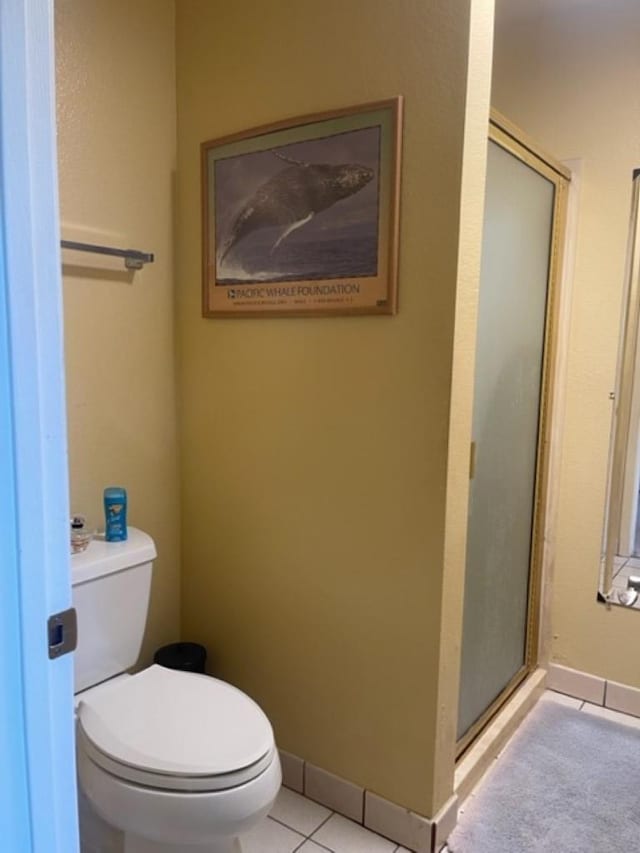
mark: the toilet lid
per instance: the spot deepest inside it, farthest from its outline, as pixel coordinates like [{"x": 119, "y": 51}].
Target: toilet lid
[{"x": 181, "y": 724}]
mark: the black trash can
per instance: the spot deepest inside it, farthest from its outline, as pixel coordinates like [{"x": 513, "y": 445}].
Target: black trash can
[{"x": 190, "y": 657}]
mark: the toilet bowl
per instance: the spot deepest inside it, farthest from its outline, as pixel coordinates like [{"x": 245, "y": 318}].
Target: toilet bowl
[{"x": 180, "y": 762}]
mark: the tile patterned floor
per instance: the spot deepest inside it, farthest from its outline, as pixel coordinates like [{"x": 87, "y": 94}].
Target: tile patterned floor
[
  {"x": 623, "y": 567},
  {"x": 618, "y": 564},
  {"x": 298, "y": 824}
]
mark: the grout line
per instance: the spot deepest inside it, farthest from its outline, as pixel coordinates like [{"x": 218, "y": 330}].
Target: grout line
[
  {"x": 311, "y": 837},
  {"x": 286, "y": 826},
  {"x": 320, "y": 825},
  {"x": 317, "y": 843}
]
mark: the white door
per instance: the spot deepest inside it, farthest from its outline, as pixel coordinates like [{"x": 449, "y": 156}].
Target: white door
[{"x": 37, "y": 775}]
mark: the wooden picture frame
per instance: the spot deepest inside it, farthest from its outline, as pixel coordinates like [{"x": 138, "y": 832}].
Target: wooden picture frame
[{"x": 300, "y": 217}]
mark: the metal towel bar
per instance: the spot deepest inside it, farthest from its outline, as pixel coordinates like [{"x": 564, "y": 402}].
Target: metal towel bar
[{"x": 133, "y": 259}]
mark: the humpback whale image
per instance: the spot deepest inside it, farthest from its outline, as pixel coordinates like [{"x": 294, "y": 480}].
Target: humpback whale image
[{"x": 293, "y": 196}]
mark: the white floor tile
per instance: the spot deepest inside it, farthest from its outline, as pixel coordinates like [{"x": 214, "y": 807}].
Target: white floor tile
[
  {"x": 619, "y": 582},
  {"x": 271, "y": 837},
  {"x": 561, "y": 699},
  {"x": 614, "y": 716},
  {"x": 621, "y": 579},
  {"x": 312, "y": 847},
  {"x": 297, "y": 812},
  {"x": 344, "y": 836}
]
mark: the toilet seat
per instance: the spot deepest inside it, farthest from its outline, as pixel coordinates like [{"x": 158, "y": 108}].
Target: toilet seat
[{"x": 178, "y": 731}]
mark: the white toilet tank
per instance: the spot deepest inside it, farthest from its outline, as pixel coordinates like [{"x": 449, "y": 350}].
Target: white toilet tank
[{"x": 111, "y": 585}]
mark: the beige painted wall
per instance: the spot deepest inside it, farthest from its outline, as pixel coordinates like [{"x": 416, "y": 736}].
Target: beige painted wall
[
  {"x": 117, "y": 141},
  {"x": 569, "y": 75},
  {"x": 314, "y": 462},
  {"x": 469, "y": 257}
]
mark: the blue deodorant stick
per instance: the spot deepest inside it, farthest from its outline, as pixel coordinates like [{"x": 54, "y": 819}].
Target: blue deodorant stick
[{"x": 115, "y": 512}]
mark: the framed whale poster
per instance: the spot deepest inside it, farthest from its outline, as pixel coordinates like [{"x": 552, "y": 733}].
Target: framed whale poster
[{"x": 301, "y": 217}]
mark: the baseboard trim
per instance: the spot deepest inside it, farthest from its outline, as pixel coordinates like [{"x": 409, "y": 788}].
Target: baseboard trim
[
  {"x": 594, "y": 689},
  {"x": 395, "y": 822}
]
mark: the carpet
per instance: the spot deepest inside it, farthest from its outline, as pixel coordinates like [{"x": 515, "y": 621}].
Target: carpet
[{"x": 568, "y": 782}]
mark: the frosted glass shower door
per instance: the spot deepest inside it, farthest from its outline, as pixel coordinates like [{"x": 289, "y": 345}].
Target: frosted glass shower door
[{"x": 516, "y": 252}]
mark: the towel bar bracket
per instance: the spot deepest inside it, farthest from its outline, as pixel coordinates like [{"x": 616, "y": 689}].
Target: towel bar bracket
[{"x": 133, "y": 258}]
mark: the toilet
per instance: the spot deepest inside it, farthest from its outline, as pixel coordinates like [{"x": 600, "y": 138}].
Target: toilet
[{"x": 179, "y": 762}]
